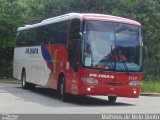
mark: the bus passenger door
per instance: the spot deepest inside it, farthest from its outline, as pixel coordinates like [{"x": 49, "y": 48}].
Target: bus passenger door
[{"x": 74, "y": 54}]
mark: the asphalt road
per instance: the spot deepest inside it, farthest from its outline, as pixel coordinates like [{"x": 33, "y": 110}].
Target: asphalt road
[{"x": 13, "y": 99}]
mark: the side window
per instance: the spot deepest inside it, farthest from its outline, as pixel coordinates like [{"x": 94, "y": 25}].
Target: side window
[
  {"x": 20, "y": 39},
  {"x": 56, "y": 33},
  {"x": 26, "y": 38},
  {"x": 40, "y": 35},
  {"x": 50, "y": 34},
  {"x": 62, "y": 32},
  {"x": 30, "y": 37},
  {"x": 74, "y": 39}
]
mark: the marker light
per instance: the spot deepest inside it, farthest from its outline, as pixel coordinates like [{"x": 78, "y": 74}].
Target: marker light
[{"x": 90, "y": 80}]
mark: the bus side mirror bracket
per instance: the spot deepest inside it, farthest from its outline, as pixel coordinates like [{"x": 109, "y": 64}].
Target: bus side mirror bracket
[{"x": 80, "y": 33}]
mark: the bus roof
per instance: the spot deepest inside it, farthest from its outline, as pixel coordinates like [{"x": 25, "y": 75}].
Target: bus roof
[{"x": 87, "y": 16}]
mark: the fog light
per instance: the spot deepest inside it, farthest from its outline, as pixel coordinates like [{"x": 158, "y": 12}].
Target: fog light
[
  {"x": 88, "y": 89},
  {"x": 135, "y": 92}
]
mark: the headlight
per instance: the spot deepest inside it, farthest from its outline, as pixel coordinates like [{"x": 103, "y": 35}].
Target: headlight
[
  {"x": 134, "y": 83},
  {"x": 90, "y": 80}
]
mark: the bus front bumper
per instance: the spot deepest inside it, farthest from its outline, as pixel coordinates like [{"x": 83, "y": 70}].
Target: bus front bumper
[{"x": 109, "y": 90}]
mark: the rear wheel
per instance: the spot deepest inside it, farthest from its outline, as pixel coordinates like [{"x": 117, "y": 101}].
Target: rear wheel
[
  {"x": 112, "y": 99},
  {"x": 23, "y": 79},
  {"x": 26, "y": 85}
]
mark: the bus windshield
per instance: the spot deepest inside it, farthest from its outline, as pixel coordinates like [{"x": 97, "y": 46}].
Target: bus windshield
[{"x": 112, "y": 46}]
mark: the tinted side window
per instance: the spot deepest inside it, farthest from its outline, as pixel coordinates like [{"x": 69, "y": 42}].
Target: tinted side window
[
  {"x": 62, "y": 32},
  {"x": 56, "y": 33},
  {"x": 31, "y": 37},
  {"x": 26, "y": 38},
  {"x": 50, "y": 34},
  {"x": 40, "y": 35},
  {"x": 20, "y": 39}
]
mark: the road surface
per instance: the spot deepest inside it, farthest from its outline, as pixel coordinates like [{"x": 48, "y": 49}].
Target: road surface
[{"x": 14, "y": 99}]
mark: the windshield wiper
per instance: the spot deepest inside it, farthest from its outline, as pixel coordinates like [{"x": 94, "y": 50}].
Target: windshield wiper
[{"x": 125, "y": 66}]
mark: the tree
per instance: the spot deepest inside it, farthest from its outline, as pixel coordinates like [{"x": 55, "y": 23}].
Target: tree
[{"x": 16, "y": 13}]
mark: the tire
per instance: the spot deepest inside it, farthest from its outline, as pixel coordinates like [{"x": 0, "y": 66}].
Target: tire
[
  {"x": 23, "y": 79},
  {"x": 26, "y": 85},
  {"x": 112, "y": 99},
  {"x": 63, "y": 94}
]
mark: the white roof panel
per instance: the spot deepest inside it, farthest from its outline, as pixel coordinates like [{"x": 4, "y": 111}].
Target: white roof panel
[{"x": 80, "y": 16}]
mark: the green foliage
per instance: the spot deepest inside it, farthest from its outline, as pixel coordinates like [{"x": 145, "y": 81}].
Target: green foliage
[
  {"x": 150, "y": 86},
  {"x": 10, "y": 18},
  {"x": 15, "y": 13}
]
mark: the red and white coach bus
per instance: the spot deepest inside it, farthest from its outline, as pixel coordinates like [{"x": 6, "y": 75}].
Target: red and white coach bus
[{"x": 81, "y": 54}]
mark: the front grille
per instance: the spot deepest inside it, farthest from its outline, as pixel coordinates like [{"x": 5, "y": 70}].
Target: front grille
[{"x": 115, "y": 83}]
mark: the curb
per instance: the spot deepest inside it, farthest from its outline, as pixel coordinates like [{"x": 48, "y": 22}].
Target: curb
[{"x": 150, "y": 94}]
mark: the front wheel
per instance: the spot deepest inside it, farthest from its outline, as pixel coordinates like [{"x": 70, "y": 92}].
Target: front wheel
[
  {"x": 112, "y": 99},
  {"x": 64, "y": 95}
]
